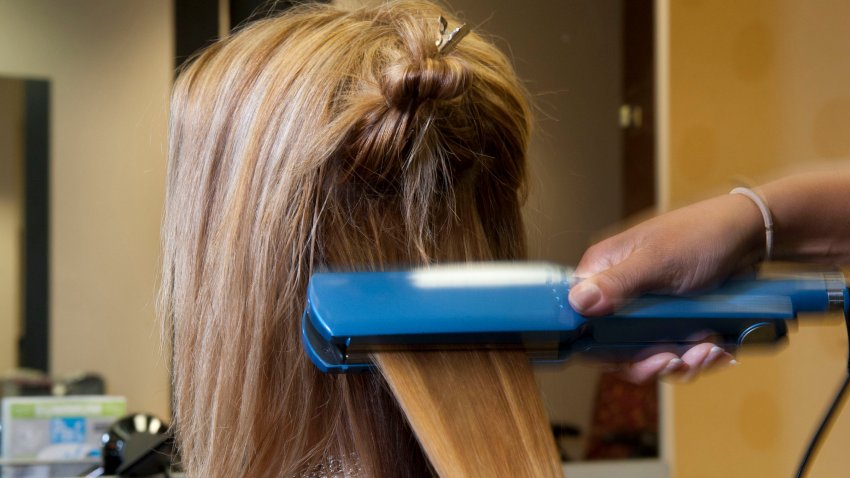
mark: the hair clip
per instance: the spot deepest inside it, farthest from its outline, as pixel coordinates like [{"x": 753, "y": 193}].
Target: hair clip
[{"x": 448, "y": 41}]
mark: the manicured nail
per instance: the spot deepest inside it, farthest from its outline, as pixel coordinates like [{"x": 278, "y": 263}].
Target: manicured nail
[
  {"x": 733, "y": 362},
  {"x": 712, "y": 356},
  {"x": 672, "y": 366},
  {"x": 585, "y": 295}
]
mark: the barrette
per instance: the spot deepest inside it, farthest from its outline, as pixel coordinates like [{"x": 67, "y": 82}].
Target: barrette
[{"x": 448, "y": 41}]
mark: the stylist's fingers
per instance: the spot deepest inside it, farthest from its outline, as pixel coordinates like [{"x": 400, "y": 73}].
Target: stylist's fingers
[
  {"x": 704, "y": 357},
  {"x": 696, "y": 360},
  {"x": 606, "y": 290},
  {"x": 659, "y": 364}
]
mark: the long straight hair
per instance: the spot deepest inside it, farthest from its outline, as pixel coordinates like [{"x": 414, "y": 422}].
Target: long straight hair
[{"x": 330, "y": 139}]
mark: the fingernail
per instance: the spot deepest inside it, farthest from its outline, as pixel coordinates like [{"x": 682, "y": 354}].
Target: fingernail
[
  {"x": 585, "y": 295},
  {"x": 672, "y": 366},
  {"x": 733, "y": 362},
  {"x": 712, "y": 356}
]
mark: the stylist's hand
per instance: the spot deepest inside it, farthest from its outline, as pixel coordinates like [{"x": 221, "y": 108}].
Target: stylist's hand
[{"x": 682, "y": 251}]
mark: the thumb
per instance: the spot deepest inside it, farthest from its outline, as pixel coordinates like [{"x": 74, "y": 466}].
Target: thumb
[{"x": 605, "y": 291}]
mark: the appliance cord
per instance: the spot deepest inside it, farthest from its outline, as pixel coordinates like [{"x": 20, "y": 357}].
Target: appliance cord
[{"x": 837, "y": 403}]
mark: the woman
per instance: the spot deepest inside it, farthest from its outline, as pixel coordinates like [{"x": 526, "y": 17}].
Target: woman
[{"x": 326, "y": 139}]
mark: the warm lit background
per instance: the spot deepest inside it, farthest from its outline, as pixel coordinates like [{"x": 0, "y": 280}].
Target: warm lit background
[{"x": 756, "y": 88}]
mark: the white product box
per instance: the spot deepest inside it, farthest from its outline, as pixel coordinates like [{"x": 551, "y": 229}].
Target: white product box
[{"x": 55, "y": 436}]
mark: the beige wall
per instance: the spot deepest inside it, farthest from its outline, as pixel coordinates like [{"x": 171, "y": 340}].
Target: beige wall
[
  {"x": 11, "y": 217},
  {"x": 110, "y": 66},
  {"x": 755, "y": 88}
]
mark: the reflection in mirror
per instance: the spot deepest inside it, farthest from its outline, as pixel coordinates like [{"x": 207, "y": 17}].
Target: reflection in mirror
[{"x": 23, "y": 224}]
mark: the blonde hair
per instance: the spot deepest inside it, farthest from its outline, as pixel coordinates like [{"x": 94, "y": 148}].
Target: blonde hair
[{"x": 331, "y": 139}]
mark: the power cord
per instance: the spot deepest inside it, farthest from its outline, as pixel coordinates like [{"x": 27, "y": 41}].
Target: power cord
[{"x": 837, "y": 403}]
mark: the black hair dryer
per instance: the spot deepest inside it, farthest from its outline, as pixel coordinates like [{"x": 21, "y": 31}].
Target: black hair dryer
[{"x": 137, "y": 445}]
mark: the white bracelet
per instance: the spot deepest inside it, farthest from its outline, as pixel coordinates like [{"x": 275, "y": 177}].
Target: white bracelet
[{"x": 765, "y": 214}]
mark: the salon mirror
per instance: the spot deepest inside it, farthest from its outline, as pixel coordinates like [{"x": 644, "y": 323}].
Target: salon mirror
[{"x": 24, "y": 172}]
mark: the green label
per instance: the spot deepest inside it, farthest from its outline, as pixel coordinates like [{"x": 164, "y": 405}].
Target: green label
[
  {"x": 23, "y": 410},
  {"x": 77, "y": 408},
  {"x": 114, "y": 409}
]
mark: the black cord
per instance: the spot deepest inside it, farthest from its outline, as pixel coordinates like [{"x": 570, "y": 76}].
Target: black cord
[
  {"x": 815, "y": 442},
  {"x": 837, "y": 402}
]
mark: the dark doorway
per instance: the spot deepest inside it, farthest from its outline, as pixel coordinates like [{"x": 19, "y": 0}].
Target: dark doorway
[{"x": 637, "y": 113}]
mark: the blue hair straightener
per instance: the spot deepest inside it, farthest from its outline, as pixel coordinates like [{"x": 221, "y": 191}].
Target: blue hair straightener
[{"x": 524, "y": 305}]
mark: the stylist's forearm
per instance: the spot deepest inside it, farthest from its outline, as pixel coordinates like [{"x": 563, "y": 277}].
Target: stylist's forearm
[{"x": 811, "y": 214}]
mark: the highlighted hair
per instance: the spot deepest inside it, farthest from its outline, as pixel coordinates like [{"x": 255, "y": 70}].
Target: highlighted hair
[{"x": 331, "y": 139}]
